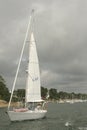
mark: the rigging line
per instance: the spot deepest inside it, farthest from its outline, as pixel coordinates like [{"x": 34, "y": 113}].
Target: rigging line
[{"x": 20, "y": 59}]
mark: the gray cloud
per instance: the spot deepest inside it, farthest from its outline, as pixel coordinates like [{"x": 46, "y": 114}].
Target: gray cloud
[{"x": 60, "y": 29}]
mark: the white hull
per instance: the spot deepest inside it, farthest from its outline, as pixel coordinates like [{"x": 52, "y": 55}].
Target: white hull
[{"x": 28, "y": 115}]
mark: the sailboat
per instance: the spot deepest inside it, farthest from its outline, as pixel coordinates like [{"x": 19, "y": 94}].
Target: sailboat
[{"x": 34, "y": 105}]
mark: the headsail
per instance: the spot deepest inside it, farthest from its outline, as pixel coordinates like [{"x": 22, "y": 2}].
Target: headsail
[{"x": 33, "y": 92}]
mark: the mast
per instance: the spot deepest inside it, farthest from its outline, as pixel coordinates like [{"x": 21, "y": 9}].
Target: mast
[{"x": 20, "y": 59}]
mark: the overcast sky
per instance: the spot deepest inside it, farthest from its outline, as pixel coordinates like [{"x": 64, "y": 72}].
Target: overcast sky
[{"x": 60, "y": 29}]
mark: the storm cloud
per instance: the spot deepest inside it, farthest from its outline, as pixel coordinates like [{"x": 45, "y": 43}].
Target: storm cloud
[{"x": 60, "y": 29}]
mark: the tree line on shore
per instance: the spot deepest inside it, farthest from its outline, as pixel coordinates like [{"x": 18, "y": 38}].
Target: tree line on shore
[{"x": 50, "y": 94}]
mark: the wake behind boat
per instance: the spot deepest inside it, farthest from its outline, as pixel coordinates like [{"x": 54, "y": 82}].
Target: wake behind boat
[{"x": 34, "y": 106}]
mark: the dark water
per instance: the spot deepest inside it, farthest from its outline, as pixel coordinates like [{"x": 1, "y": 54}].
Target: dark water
[{"x": 59, "y": 117}]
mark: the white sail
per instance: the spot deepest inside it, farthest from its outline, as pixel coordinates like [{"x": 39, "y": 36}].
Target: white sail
[{"x": 33, "y": 92}]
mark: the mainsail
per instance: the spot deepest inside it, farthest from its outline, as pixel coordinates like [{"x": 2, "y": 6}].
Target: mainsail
[{"x": 33, "y": 92}]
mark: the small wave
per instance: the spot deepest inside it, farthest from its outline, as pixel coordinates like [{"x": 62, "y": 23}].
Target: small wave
[
  {"x": 68, "y": 123},
  {"x": 82, "y": 128}
]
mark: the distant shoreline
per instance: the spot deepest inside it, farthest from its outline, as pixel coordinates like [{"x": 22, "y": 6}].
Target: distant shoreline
[
  {"x": 71, "y": 101},
  {"x": 5, "y": 104}
]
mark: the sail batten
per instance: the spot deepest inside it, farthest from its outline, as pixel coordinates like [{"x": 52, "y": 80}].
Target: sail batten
[{"x": 33, "y": 92}]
